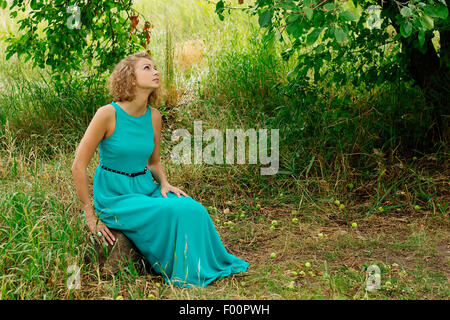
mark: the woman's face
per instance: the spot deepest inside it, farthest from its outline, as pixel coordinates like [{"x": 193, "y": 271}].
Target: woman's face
[{"x": 147, "y": 76}]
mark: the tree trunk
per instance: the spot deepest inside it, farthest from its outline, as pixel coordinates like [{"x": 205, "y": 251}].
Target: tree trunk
[
  {"x": 430, "y": 72},
  {"x": 123, "y": 251}
]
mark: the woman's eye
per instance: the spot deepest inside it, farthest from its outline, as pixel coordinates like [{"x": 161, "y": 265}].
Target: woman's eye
[{"x": 145, "y": 67}]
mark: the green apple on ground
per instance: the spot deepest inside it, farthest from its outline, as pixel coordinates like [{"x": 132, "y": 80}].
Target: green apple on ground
[{"x": 291, "y": 285}]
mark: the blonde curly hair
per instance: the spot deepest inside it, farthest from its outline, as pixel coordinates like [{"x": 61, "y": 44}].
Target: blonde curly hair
[{"x": 120, "y": 83}]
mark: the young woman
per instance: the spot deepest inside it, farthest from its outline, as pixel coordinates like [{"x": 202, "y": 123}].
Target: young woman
[{"x": 171, "y": 229}]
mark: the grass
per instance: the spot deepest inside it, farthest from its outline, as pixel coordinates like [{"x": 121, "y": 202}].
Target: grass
[{"x": 42, "y": 233}]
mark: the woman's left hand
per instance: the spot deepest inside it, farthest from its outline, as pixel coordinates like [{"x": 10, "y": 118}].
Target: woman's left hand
[{"x": 165, "y": 188}]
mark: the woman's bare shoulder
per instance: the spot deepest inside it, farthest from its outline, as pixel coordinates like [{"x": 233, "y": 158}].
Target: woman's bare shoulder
[
  {"x": 106, "y": 115},
  {"x": 107, "y": 109},
  {"x": 156, "y": 112},
  {"x": 106, "y": 112},
  {"x": 156, "y": 116}
]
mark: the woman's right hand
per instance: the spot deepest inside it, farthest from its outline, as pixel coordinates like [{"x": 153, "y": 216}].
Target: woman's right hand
[{"x": 96, "y": 226}]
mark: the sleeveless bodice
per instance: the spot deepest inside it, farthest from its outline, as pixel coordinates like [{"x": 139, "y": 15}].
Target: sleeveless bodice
[{"x": 131, "y": 144}]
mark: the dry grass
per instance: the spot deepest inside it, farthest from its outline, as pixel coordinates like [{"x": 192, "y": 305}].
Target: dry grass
[
  {"x": 410, "y": 246},
  {"x": 189, "y": 53}
]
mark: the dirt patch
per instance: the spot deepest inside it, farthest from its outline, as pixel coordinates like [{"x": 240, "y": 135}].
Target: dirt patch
[{"x": 374, "y": 239}]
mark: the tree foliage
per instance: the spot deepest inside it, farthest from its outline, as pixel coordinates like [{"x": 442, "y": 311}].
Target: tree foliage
[
  {"x": 365, "y": 42},
  {"x": 348, "y": 37},
  {"x": 69, "y": 36}
]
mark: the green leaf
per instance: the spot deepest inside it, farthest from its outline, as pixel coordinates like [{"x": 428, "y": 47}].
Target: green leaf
[
  {"x": 406, "y": 29},
  {"x": 340, "y": 35},
  {"x": 293, "y": 17},
  {"x": 295, "y": 29},
  {"x": 313, "y": 35},
  {"x": 219, "y": 7},
  {"x": 439, "y": 11},
  {"x": 347, "y": 16},
  {"x": 309, "y": 12},
  {"x": 33, "y": 5},
  {"x": 406, "y": 12},
  {"x": 421, "y": 37},
  {"x": 265, "y": 18},
  {"x": 286, "y": 5},
  {"x": 426, "y": 22},
  {"x": 329, "y": 6}
]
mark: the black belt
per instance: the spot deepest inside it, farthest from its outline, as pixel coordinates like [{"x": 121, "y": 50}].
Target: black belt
[{"x": 127, "y": 174}]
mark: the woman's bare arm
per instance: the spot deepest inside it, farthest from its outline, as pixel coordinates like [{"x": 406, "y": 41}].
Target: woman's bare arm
[{"x": 94, "y": 134}]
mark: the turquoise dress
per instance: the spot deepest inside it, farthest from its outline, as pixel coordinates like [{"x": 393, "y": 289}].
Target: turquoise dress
[{"x": 175, "y": 234}]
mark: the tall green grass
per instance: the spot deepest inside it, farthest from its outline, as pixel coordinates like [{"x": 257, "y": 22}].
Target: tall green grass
[
  {"x": 37, "y": 238},
  {"x": 324, "y": 128}
]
